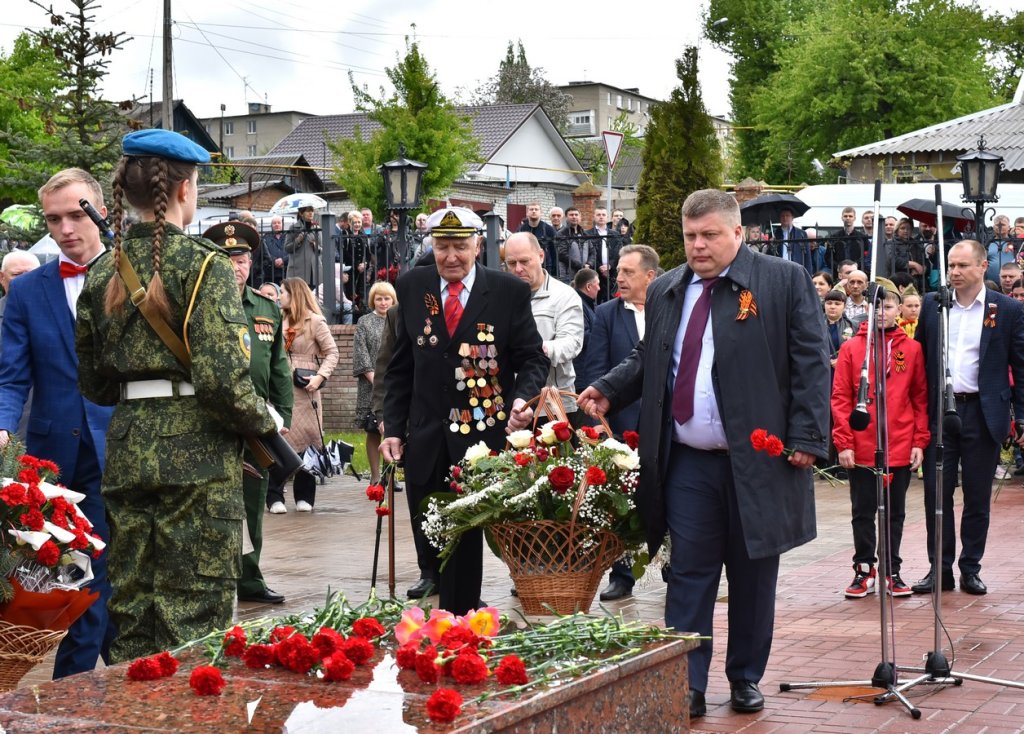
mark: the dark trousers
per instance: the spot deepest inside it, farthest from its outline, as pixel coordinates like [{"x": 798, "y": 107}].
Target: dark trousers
[
  {"x": 304, "y": 489},
  {"x": 704, "y": 525},
  {"x": 864, "y": 502},
  {"x": 254, "y": 494},
  {"x": 89, "y": 638},
  {"x": 462, "y": 577},
  {"x": 977, "y": 454}
]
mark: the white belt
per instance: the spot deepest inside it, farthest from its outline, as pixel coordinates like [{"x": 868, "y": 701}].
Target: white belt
[{"x": 140, "y": 389}]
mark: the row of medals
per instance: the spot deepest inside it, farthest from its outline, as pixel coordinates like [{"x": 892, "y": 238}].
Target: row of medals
[
  {"x": 264, "y": 331},
  {"x": 478, "y": 373}
]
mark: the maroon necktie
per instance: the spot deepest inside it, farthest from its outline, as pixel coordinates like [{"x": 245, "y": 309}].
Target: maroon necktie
[
  {"x": 71, "y": 270},
  {"x": 453, "y": 307},
  {"x": 689, "y": 356}
]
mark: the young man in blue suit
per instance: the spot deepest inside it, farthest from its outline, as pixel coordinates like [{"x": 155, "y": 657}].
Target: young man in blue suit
[
  {"x": 985, "y": 343},
  {"x": 39, "y": 353}
]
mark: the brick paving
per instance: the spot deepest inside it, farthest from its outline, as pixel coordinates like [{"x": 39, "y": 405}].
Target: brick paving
[{"x": 819, "y": 634}]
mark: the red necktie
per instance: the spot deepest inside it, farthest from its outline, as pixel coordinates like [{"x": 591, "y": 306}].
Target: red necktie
[
  {"x": 70, "y": 270},
  {"x": 689, "y": 357},
  {"x": 453, "y": 307}
]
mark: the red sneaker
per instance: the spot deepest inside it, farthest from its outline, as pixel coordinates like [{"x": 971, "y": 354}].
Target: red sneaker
[
  {"x": 897, "y": 587},
  {"x": 863, "y": 581}
]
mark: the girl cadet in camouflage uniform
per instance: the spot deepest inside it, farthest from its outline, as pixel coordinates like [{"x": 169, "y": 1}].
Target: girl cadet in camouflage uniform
[{"x": 174, "y": 455}]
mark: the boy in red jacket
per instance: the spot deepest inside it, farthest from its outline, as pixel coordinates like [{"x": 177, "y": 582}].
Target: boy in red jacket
[{"x": 906, "y": 431}]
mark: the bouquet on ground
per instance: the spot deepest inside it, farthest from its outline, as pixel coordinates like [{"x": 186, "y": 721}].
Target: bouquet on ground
[
  {"x": 541, "y": 477},
  {"x": 46, "y": 546}
]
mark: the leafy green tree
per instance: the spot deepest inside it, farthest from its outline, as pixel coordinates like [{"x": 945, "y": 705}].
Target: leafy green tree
[
  {"x": 81, "y": 129},
  {"x": 29, "y": 73},
  {"x": 681, "y": 155},
  {"x": 1006, "y": 53},
  {"x": 889, "y": 72},
  {"x": 418, "y": 116},
  {"x": 519, "y": 83}
]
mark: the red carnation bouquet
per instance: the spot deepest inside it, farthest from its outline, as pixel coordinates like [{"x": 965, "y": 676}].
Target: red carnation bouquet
[{"x": 46, "y": 546}]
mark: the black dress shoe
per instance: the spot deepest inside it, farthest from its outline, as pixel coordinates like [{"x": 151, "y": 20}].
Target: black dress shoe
[
  {"x": 972, "y": 584},
  {"x": 615, "y": 590},
  {"x": 925, "y": 585},
  {"x": 746, "y": 697},
  {"x": 422, "y": 588},
  {"x": 267, "y": 596},
  {"x": 698, "y": 707}
]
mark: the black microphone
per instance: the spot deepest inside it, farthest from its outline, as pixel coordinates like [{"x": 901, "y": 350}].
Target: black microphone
[
  {"x": 951, "y": 423},
  {"x": 860, "y": 418},
  {"x": 99, "y": 221}
]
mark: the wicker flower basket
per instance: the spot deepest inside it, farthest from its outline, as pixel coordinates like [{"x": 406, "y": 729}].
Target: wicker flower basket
[
  {"x": 557, "y": 565},
  {"x": 21, "y": 649}
]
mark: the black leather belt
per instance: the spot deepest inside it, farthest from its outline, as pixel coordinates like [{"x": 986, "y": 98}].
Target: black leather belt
[
  {"x": 965, "y": 397},
  {"x": 713, "y": 452}
]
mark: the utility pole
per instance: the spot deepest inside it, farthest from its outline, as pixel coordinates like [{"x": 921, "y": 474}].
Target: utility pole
[{"x": 168, "y": 102}]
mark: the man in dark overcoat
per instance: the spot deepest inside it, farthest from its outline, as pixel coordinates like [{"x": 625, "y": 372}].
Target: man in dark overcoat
[
  {"x": 457, "y": 320},
  {"x": 701, "y": 480}
]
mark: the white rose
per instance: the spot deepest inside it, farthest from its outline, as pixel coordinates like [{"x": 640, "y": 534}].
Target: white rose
[
  {"x": 624, "y": 457},
  {"x": 547, "y": 434},
  {"x": 520, "y": 439},
  {"x": 476, "y": 452}
]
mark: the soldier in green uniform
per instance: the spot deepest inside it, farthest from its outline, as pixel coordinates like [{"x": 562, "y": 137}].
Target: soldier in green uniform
[
  {"x": 272, "y": 377},
  {"x": 174, "y": 448}
]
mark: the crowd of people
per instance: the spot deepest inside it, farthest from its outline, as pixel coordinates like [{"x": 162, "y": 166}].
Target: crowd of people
[{"x": 142, "y": 370}]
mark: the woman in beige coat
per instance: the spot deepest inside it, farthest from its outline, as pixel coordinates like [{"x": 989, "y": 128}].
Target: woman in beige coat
[{"x": 310, "y": 345}]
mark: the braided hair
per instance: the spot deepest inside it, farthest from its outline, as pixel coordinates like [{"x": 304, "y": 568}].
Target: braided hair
[{"x": 146, "y": 182}]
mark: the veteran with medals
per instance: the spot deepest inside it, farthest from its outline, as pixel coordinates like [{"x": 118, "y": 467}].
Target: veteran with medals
[
  {"x": 467, "y": 357},
  {"x": 272, "y": 377}
]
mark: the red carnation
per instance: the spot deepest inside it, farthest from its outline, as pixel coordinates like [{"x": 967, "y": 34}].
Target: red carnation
[
  {"x": 596, "y": 476},
  {"x": 28, "y": 461},
  {"x": 456, "y": 472},
  {"x": 759, "y": 439},
  {"x": 206, "y": 680},
  {"x": 426, "y": 667},
  {"x": 591, "y": 432},
  {"x": 468, "y": 668},
  {"x": 375, "y": 493},
  {"x": 444, "y": 705},
  {"x": 562, "y": 431},
  {"x": 338, "y": 667},
  {"x": 33, "y": 520},
  {"x": 774, "y": 446},
  {"x": 357, "y": 649},
  {"x": 297, "y": 654},
  {"x": 522, "y": 459},
  {"x": 29, "y": 476},
  {"x": 367, "y": 627},
  {"x": 561, "y": 478},
  {"x": 405, "y": 656},
  {"x": 542, "y": 454},
  {"x": 36, "y": 498},
  {"x": 632, "y": 439},
  {"x": 48, "y": 554},
  {"x": 511, "y": 671},
  {"x": 14, "y": 494},
  {"x": 168, "y": 663},
  {"x": 80, "y": 542},
  {"x": 234, "y": 642},
  {"x": 259, "y": 656},
  {"x": 383, "y": 510},
  {"x": 48, "y": 466},
  {"x": 455, "y": 638},
  {"x": 281, "y": 633},
  {"x": 144, "y": 669},
  {"x": 327, "y": 642},
  {"x": 887, "y": 479}
]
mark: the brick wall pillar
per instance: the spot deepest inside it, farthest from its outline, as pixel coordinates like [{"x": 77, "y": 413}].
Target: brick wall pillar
[
  {"x": 339, "y": 394},
  {"x": 585, "y": 198}
]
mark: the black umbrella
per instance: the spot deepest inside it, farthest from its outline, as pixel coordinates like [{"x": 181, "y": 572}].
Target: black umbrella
[
  {"x": 765, "y": 209},
  {"x": 923, "y": 210}
]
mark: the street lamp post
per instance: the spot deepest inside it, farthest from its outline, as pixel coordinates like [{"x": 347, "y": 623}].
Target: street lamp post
[
  {"x": 979, "y": 173},
  {"x": 403, "y": 189}
]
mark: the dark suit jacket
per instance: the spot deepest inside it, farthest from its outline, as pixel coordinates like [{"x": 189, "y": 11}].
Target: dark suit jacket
[
  {"x": 612, "y": 340},
  {"x": 38, "y": 351},
  {"x": 420, "y": 384},
  {"x": 771, "y": 371},
  {"x": 1002, "y": 345}
]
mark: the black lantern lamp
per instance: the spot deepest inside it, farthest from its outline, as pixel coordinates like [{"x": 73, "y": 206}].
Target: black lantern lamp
[
  {"x": 403, "y": 189},
  {"x": 979, "y": 173}
]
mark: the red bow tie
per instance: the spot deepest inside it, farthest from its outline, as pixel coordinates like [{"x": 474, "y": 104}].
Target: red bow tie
[{"x": 70, "y": 270}]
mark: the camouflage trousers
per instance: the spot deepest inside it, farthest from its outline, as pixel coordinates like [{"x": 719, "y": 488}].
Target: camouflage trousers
[{"x": 174, "y": 502}]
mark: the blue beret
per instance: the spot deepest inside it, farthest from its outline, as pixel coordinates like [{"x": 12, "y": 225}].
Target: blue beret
[{"x": 165, "y": 144}]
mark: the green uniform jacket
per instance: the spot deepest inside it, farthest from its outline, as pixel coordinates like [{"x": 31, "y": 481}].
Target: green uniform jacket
[{"x": 268, "y": 364}]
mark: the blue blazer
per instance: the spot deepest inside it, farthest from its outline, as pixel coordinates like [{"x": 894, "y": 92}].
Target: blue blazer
[
  {"x": 612, "y": 339},
  {"x": 1002, "y": 346},
  {"x": 37, "y": 350}
]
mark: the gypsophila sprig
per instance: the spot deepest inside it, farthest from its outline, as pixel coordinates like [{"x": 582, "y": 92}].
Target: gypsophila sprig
[{"x": 537, "y": 478}]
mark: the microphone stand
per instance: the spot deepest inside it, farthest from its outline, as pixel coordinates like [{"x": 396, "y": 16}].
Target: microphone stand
[
  {"x": 885, "y": 674},
  {"x": 937, "y": 669}
]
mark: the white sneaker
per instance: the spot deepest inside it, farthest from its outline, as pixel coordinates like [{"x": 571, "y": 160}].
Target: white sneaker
[
  {"x": 278, "y": 508},
  {"x": 303, "y": 506},
  {"x": 1001, "y": 472}
]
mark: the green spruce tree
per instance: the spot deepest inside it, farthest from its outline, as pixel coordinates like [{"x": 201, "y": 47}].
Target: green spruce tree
[{"x": 681, "y": 155}]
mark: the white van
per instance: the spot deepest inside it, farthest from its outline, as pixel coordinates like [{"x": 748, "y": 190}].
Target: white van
[{"x": 828, "y": 201}]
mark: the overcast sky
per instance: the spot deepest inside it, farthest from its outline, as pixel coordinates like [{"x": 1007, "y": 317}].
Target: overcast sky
[{"x": 296, "y": 54}]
